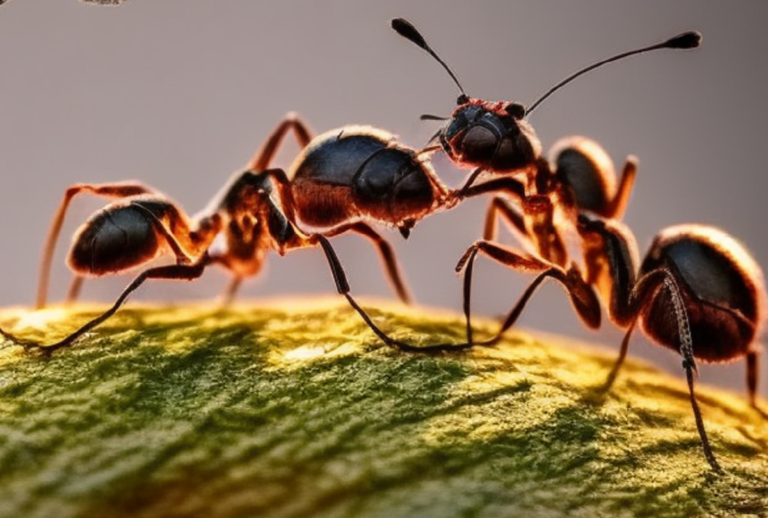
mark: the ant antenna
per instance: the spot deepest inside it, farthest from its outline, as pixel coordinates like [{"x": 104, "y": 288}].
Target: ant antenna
[
  {"x": 685, "y": 40},
  {"x": 406, "y": 29},
  {"x": 428, "y": 117}
]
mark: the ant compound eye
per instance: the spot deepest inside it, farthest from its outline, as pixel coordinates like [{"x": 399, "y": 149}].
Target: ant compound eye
[
  {"x": 462, "y": 99},
  {"x": 516, "y": 110},
  {"x": 479, "y": 143}
]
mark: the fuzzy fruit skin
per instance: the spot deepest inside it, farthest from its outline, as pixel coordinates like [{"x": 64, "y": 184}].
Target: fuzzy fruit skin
[{"x": 286, "y": 410}]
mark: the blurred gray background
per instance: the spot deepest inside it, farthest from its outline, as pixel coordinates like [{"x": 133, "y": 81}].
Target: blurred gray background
[{"x": 180, "y": 93}]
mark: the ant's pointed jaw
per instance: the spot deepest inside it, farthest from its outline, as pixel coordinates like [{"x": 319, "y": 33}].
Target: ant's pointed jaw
[{"x": 405, "y": 228}]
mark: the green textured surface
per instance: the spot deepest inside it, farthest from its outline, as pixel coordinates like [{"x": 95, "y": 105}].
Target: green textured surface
[{"x": 271, "y": 411}]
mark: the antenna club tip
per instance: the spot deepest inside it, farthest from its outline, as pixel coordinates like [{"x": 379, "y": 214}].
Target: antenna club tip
[
  {"x": 686, "y": 40},
  {"x": 407, "y": 30},
  {"x": 402, "y": 26}
]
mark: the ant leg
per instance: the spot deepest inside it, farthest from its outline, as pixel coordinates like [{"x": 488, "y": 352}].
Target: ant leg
[
  {"x": 609, "y": 260},
  {"x": 74, "y": 289},
  {"x": 229, "y": 294},
  {"x": 752, "y": 370},
  {"x": 753, "y": 366},
  {"x": 690, "y": 368},
  {"x": 618, "y": 205},
  {"x": 641, "y": 294},
  {"x": 582, "y": 295},
  {"x": 544, "y": 232},
  {"x": 467, "y": 262},
  {"x": 262, "y": 158},
  {"x": 285, "y": 192},
  {"x": 185, "y": 272},
  {"x": 386, "y": 254},
  {"x": 342, "y": 286},
  {"x": 500, "y": 206},
  {"x": 174, "y": 229},
  {"x": 583, "y": 298},
  {"x": 472, "y": 177},
  {"x": 664, "y": 279},
  {"x": 620, "y": 360},
  {"x": 113, "y": 190},
  {"x": 287, "y": 236},
  {"x": 506, "y": 185}
]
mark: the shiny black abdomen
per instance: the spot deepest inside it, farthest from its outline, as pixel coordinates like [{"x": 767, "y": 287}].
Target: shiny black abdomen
[
  {"x": 719, "y": 300},
  {"x": 114, "y": 239}
]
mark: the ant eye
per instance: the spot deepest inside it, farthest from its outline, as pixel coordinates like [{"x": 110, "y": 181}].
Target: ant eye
[
  {"x": 463, "y": 99},
  {"x": 516, "y": 110}
]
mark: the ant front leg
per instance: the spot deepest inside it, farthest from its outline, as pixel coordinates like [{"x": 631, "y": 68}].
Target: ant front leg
[
  {"x": 73, "y": 292},
  {"x": 505, "y": 185},
  {"x": 583, "y": 297},
  {"x": 618, "y": 205},
  {"x": 109, "y": 190},
  {"x": 502, "y": 207},
  {"x": 263, "y": 157},
  {"x": 289, "y": 237},
  {"x": 386, "y": 254},
  {"x": 462, "y": 192}
]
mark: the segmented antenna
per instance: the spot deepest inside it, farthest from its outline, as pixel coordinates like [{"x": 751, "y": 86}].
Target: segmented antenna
[
  {"x": 685, "y": 40},
  {"x": 406, "y": 29}
]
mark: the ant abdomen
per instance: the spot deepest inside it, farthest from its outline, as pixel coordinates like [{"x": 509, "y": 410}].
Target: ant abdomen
[
  {"x": 721, "y": 287},
  {"x": 583, "y": 166},
  {"x": 116, "y": 238},
  {"x": 360, "y": 171}
]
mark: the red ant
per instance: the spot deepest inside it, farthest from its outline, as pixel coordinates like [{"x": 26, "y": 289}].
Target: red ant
[
  {"x": 341, "y": 180},
  {"x": 495, "y": 137},
  {"x": 109, "y": 226},
  {"x": 697, "y": 287}
]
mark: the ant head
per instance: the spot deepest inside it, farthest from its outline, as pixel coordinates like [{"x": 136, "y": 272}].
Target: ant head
[
  {"x": 480, "y": 133},
  {"x": 496, "y": 135}
]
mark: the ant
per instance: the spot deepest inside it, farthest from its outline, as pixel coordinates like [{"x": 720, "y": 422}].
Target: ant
[
  {"x": 120, "y": 218},
  {"x": 341, "y": 180},
  {"x": 698, "y": 292},
  {"x": 495, "y": 137}
]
